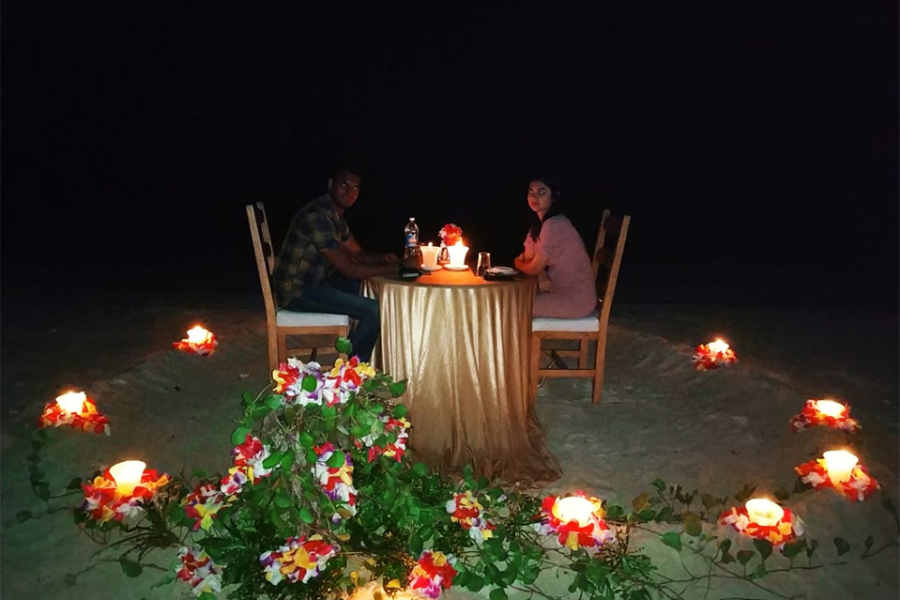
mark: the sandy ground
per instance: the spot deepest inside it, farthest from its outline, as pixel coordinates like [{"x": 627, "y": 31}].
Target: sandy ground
[{"x": 659, "y": 418}]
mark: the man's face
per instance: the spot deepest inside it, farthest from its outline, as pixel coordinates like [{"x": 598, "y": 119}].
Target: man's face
[{"x": 344, "y": 189}]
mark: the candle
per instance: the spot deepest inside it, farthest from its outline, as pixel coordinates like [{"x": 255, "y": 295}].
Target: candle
[
  {"x": 197, "y": 335},
  {"x": 127, "y": 475},
  {"x": 574, "y": 509},
  {"x": 72, "y": 402},
  {"x": 718, "y": 346},
  {"x": 830, "y": 408},
  {"x": 839, "y": 464},
  {"x": 430, "y": 256},
  {"x": 763, "y": 512},
  {"x": 458, "y": 255}
]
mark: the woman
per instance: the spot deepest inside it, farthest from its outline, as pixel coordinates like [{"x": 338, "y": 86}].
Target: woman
[{"x": 555, "y": 253}]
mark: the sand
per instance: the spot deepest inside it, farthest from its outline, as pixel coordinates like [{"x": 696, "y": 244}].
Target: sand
[{"x": 659, "y": 418}]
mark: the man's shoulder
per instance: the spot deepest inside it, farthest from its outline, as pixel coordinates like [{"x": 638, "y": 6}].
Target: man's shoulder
[{"x": 320, "y": 204}]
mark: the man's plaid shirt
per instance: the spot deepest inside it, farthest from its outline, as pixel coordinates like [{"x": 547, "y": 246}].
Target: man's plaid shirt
[{"x": 300, "y": 263}]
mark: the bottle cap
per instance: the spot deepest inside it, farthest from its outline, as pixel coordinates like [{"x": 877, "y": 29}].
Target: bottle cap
[{"x": 412, "y": 218}]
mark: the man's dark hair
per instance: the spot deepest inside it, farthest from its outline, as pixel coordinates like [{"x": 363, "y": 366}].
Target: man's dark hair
[
  {"x": 345, "y": 167},
  {"x": 556, "y": 208}
]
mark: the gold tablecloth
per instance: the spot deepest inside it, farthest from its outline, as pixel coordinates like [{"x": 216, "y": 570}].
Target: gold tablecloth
[{"x": 463, "y": 344}]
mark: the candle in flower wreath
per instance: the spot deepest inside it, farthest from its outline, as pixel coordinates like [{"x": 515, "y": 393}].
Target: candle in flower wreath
[
  {"x": 76, "y": 410},
  {"x": 839, "y": 470},
  {"x": 199, "y": 341},
  {"x": 763, "y": 519},
  {"x": 576, "y": 521},
  {"x": 713, "y": 355},
  {"x": 825, "y": 413}
]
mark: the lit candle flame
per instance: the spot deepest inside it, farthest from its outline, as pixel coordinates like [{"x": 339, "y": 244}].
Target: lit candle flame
[
  {"x": 839, "y": 464},
  {"x": 718, "y": 346},
  {"x": 72, "y": 402},
  {"x": 763, "y": 512},
  {"x": 127, "y": 475},
  {"x": 574, "y": 509},
  {"x": 197, "y": 335},
  {"x": 830, "y": 408}
]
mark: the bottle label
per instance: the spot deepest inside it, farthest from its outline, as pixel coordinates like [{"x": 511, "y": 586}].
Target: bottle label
[{"x": 412, "y": 239}]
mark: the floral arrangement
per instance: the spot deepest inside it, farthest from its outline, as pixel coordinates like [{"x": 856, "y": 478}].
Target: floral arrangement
[
  {"x": 323, "y": 498},
  {"x": 571, "y": 534},
  {"x": 859, "y": 487},
  {"x": 199, "y": 341},
  {"x": 789, "y": 527},
  {"x": 708, "y": 357},
  {"x": 88, "y": 419},
  {"x": 811, "y": 416},
  {"x": 450, "y": 234}
]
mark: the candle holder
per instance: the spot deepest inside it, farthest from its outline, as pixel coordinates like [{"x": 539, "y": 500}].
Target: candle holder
[
  {"x": 107, "y": 500},
  {"x": 199, "y": 341},
  {"x": 764, "y": 520},
  {"x": 711, "y": 356},
  {"x": 457, "y": 257},
  {"x": 825, "y": 413},
  {"x": 76, "y": 410},
  {"x": 576, "y": 521},
  {"x": 430, "y": 255},
  {"x": 857, "y": 487}
]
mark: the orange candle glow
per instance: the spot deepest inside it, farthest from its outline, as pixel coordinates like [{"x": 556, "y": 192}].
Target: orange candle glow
[
  {"x": 72, "y": 402},
  {"x": 830, "y": 408},
  {"x": 574, "y": 509},
  {"x": 197, "y": 335},
  {"x": 839, "y": 464},
  {"x": 718, "y": 346},
  {"x": 127, "y": 475}
]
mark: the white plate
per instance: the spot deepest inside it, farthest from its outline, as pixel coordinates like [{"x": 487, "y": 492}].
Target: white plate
[
  {"x": 452, "y": 268},
  {"x": 424, "y": 268},
  {"x": 502, "y": 271}
]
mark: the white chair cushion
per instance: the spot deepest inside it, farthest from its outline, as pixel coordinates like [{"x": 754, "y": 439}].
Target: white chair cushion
[
  {"x": 588, "y": 323},
  {"x": 287, "y": 318}
]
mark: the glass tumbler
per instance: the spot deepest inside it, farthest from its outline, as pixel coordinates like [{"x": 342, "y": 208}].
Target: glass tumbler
[{"x": 484, "y": 264}]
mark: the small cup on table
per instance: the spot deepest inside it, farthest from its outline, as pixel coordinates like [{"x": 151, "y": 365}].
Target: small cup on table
[{"x": 484, "y": 264}]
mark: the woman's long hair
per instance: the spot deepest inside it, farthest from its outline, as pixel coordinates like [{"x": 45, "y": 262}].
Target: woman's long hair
[{"x": 556, "y": 208}]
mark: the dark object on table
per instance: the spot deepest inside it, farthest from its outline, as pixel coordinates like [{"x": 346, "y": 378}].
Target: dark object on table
[
  {"x": 409, "y": 273},
  {"x": 498, "y": 277}
]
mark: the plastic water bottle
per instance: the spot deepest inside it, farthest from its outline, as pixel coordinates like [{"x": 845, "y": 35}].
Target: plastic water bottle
[{"x": 411, "y": 234}]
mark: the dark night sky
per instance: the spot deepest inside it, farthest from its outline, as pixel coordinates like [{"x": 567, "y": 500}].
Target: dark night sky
[{"x": 735, "y": 133}]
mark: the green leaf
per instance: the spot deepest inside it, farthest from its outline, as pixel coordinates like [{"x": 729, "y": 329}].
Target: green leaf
[
  {"x": 198, "y": 473},
  {"x": 288, "y": 461},
  {"x": 239, "y": 435},
  {"x": 727, "y": 558},
  {"x": 306, "y": 515},
  {"x": 708, "y": 501},
  {"x": 273, "y": 401},
  {"x": 793, "y": 548},
  {"x": 764, "y": 547},
  {"x": 336, "y": 460},
  {"x": 724, "y": 546},
  {"x": 744, "y": 556},
  {"x": 498, "y": 594},
  {"x": 813, "y": 544},
  {"x": 842, "y": 545},
  {"x": 648, "y": 514},
  {"x": 475, "y": 583},
  {"x": 306, "y": 440},
  {"x": 343, "y": 346},
  {"x": 75, "y": 484},
  {"x": 869, "y": 541},
  {"x": 309, "y": 383},
  {"x": 615, "y": 512},
  {"x": 415, "y": 544},
  {"x": 397, "y": 388},
  {"x": 692, "y": 525},
  {"x": 23, "y": 515},
  {"x": 672, "y": 539},
  {"x": 282, "y": 500},
  {"x": 420, "y": 469},
  {"x": 400, "y": 411},
  {"x": 206, "y": 596},
  {"x": 659, "y": 484},
  {"x": 745, "y": 493},
  {"x": 247, "y": 398},
  {"x": 664, "y": 514},
  {"x": 273, "y": 459},
  {"x": 166, "y": 580},
  {"x": 130, "y": 568}
]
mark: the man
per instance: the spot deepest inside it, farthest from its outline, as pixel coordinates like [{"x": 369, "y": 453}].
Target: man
[{"x": 320, "y": 263}]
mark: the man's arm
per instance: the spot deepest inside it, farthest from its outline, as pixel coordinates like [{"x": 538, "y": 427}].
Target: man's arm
[
  {"x": 342, "y": 259},
  {"x": 366, "y": 257}
]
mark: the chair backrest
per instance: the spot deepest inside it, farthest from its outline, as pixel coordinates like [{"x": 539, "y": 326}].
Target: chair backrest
[
  {"x": 268, "y": 249},
  {"x": 259, "y": 233},
  {"x": 608, "y": 257}
]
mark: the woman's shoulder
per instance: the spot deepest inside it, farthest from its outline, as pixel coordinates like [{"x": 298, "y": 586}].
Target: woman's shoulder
[{"x": 559, "y": 223}]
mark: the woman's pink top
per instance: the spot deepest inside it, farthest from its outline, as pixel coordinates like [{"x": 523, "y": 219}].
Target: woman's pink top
[{"x": 573, "y": 292}]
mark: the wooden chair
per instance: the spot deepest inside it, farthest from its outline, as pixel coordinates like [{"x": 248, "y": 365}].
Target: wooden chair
[
  {"x": 281, "y": 323},
  {"x": 606, "y": 261}
]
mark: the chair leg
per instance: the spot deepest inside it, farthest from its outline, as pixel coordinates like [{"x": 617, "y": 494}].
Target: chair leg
[
  {"x": 273, "y": 349},
  {"x": 583, "y": 346},
  {"x": 597, "y": 391},
  {"x": 535, "y": 364}
]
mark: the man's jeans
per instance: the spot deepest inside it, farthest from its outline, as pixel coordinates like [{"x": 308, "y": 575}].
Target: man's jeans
[{"x": 341, "y": 296}]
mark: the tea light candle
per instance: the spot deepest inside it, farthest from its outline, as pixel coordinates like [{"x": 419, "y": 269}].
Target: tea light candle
[
  {"x": 763, "y": 512},
  {"x": 127, "y": 475},
  {"x": 574, "y": 509},
  {"x": 458, "y": 254},
  {"x": 430, "y": 256},
  {"x": 197, "y": 335},
  {"x": 72, "y": 402},
  {"x": 718, "y": 346},
  {"x": 839, "y": 464},
  {"x": 830, "y": 408}
]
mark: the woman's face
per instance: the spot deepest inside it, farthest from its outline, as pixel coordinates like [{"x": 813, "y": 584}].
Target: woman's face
[{"x": 540, "y": 197}]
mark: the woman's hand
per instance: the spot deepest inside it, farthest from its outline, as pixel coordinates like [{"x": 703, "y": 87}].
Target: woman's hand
[{"x": 544, "y": 282}]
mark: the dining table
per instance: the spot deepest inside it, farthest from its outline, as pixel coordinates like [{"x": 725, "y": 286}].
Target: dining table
[{"x": 462, "y": 344}]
